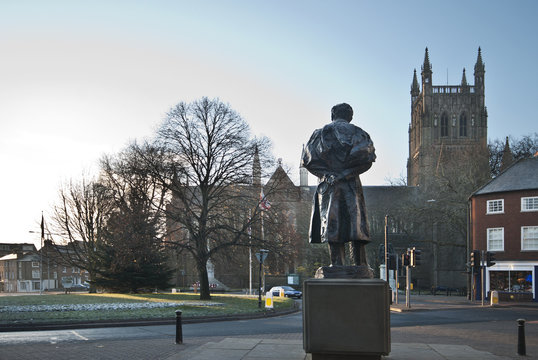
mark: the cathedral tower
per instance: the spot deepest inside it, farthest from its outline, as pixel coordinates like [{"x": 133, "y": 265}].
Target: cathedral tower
[{"x": 448, "y": 126}]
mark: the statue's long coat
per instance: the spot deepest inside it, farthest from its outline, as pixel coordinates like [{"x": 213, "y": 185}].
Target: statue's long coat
[{"x": 337, "y": 154}]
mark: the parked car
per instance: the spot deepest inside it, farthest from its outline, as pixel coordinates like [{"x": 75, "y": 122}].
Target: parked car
[
  {"x": 287, "y": 290},
  {"x": 80, "y": 287}
]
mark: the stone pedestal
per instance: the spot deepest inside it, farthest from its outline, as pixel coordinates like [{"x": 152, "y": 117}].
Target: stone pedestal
[
  {"x": 346, "y": 318},
  {"x": 344, "y": 272}
]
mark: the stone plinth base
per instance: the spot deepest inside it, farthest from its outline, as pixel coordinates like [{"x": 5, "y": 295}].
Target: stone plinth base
[
  {"x": 345, "y": 357},
  {"x": 346, "y": 319},
  {"x": 344, "y": 272}
]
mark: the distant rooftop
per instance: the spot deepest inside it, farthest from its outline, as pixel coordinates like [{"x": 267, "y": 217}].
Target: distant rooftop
[
  {"x": 522, "y": 175},
  {"x": 9, "y": 257}
]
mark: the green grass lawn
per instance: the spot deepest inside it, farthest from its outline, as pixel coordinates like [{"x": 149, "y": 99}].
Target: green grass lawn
[{"x": 13, "y": 308}]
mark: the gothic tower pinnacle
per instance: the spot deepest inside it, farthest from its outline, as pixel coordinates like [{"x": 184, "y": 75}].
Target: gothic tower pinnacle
[
  {"x": 303, "y": 173},
  {"x": 415, "y": 90},
  {"x": 507, "y": 159},
  {"x": 463, "y": 79},
  {"x": 426, "y": 70},
  {"x": 479, "y": 71}
]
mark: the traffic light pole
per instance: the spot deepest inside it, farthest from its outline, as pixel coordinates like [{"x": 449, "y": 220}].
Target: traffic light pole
[
  {"x": 480, "y": 260},
  {"x": 396, "y": 280},
  {"x": 407, "y": 287},
  {"x": 386, "y": 249},
  {"x": 482, "y": 276},
  {"x": 473, "y": 285},
  {"x": 260, "y": 286}
]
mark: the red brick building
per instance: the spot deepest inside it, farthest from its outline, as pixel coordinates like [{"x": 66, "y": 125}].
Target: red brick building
[{"x": 504, "y": 221}]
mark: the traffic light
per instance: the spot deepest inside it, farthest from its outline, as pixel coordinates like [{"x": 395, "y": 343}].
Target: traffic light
[
  {"x": 392, "y": 261},
  {"x": 475, "y": 259},
  {"x": 416, "y": 257},
  {"x": 490, "y": 259},
  {"x": 405, "y": 259}
]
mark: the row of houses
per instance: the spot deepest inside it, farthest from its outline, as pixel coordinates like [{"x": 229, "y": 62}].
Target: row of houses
[{"x": 23, "y": 268}]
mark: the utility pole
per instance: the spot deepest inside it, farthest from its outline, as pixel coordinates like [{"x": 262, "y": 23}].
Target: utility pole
[
  {"x": 249, "y": 255},
  {"x": 41, "y": 254}
]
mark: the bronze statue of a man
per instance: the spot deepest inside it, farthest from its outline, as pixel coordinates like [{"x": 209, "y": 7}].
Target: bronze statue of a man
[{"x": 337, "y": 154}]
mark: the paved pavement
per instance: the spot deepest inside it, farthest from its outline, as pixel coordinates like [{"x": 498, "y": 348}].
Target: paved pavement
[
  {"x": 265, "y": 349},
  {"x": 292, "y": 349},
  {"x": 435, "y": 302}
]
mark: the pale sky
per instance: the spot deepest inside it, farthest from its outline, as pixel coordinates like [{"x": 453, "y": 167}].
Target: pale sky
[{"x": 79, "y": 79}]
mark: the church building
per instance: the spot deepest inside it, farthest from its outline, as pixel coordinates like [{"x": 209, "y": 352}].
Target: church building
[
  {"x": 447, "y": 150},
  {"x": 448, "y": 128}
]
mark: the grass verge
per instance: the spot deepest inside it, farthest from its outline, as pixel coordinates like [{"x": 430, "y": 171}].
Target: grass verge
[{"x": 14, "y": 309}]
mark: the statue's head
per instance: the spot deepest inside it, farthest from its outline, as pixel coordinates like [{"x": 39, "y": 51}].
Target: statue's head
[{"x": 342, "y": 111}]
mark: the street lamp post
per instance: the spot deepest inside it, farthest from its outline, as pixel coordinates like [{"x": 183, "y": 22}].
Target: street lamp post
[{"x": 435, "y": 249}]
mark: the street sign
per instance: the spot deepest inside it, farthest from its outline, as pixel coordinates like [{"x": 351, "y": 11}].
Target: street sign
[{"x": 261, "y": 258}]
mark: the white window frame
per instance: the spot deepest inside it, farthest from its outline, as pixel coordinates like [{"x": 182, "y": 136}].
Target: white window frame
[
  {"x": 489, "y": 239},
  {"x": 492, "y": 206},
  {"x": 525, "y": 229},
  {"x": 35, "y": 264},
  {"x": 525, "y": 203},
  {"x": 35, "y": 274}
]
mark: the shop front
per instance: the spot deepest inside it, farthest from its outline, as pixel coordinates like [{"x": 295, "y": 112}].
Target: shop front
[{"x": 515, "y": 281}]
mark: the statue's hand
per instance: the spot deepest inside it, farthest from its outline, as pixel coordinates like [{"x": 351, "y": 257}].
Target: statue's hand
[
  {"x": 330, "y": 179},
  {"x": 325, "y": 182}
]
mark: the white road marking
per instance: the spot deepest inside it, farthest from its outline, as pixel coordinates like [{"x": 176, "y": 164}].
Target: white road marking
[{"x": 79, "y": 336}]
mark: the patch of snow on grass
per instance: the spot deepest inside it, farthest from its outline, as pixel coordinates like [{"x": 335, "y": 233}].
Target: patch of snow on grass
[{"x": 105, "y": 306}]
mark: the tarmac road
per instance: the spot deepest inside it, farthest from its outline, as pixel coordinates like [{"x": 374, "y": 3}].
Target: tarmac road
[{"x": 435, "y": 321}]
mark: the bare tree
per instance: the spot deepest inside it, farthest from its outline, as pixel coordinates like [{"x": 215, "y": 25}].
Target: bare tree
[
  {"x": 81, "y": 217},
  {"x": 209, "y": 169}
]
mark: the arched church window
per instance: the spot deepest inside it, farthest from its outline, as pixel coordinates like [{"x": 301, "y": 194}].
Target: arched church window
[
  {"x": 444, "y": 125},
  {"x": 463, "y": 125}
]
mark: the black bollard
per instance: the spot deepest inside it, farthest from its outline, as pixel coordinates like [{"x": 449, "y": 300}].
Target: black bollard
[
  {"x": 521, "y": 337},
  {"x": 179, "y": 330}
]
